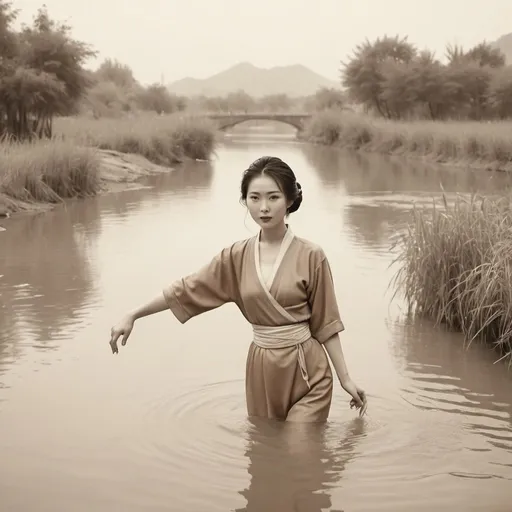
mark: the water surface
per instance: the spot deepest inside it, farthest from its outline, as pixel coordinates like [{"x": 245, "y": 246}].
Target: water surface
[{"x": 162, "y": 426}]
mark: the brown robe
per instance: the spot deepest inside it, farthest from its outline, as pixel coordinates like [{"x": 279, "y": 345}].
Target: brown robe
[{"x": 302, "y": 286}]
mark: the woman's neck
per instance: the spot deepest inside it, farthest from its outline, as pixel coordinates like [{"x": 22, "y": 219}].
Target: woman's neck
[{"x": 273, "y": 235}]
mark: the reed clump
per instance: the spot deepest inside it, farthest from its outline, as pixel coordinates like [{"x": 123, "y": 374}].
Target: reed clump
[
  {"x": 164, "y": 140},
  {"x": 486, "y": 145},
  {"x": 455, "y": 267},
  {"x": 47, "y": 171}
]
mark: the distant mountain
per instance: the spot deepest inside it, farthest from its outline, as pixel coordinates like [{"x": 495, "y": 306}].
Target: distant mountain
[
  {"x": 504, "y": 43},
  {"x": 295, "y": 80}
]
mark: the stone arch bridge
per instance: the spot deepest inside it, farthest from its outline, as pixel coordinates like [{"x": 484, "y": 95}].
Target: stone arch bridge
[{"x": 225, "y": 121}]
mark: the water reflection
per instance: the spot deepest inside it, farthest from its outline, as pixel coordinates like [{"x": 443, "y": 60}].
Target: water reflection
[
  {"x": 191, "y": 176},
  {"x": 366, "y": 172},
  {"x": 328, "y": 165},
  {"x": 191, "y": 179},
  {"x": 47, "y": 277},
  {"x": 442, "y": 374},
  {"x": 294, "y": 467},
  {"x": 374, "y": 226}
]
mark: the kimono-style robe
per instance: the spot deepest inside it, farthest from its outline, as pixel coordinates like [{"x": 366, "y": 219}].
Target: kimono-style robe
[{"x": 300, "y": 290}]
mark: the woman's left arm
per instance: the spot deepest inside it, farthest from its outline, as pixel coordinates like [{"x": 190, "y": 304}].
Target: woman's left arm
[
  {"x": 335, "y": 352},
  {"x": 325, "y": 325}
]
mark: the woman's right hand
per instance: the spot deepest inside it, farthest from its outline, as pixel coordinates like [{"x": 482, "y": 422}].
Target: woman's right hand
[{"x": 123, "y": 328}]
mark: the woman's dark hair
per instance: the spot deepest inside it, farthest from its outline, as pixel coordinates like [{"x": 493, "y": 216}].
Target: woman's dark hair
[{"x": 280, "y": 172}]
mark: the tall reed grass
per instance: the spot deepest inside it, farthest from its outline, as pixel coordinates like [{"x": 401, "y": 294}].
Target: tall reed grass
[
  {"x": 456, "y": 268},
  {"x": 69, "y": 166},
  {"x": 472, "y": 144},
  {"x": 165, "y": 140},
  {"x": 47, "y": 171}
]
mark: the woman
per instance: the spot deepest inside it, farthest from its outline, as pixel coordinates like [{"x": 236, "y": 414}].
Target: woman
[{"x": 282, "y": 284}]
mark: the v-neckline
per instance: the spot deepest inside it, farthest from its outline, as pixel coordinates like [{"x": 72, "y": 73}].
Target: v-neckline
[{"x": 285, "y": 244}]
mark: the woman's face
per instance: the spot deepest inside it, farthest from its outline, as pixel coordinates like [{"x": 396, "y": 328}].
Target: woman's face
[{"x": 266, "y": 203}]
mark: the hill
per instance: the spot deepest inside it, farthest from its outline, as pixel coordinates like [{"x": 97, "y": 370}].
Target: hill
[
  {"x": 295, "y": 80},
  {"x": 504, "y": 43}
]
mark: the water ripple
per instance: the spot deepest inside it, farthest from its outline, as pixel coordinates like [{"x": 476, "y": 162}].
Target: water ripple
[
  {"x": 205, "y": 401},
  {"x": 485, "y": 425},
  {"x": 218, "y": 408}
]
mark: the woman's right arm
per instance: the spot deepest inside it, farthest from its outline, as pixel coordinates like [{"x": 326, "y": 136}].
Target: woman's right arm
[
  {"x": 156, "y": 305},
  {"x": 125, "y": 326},
  {"x": 208, "y": 288}
]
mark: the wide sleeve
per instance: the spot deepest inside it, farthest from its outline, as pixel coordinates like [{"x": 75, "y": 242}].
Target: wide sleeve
[
  {"x": 325, "y": 318},
  {"x": 211, "y": 286}
]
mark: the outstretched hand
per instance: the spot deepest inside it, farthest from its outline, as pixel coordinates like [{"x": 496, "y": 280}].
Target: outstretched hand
[{"x": 123, "y": 328}]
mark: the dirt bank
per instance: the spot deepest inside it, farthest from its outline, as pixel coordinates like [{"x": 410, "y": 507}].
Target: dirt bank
[{"x": 118, "y": 172}]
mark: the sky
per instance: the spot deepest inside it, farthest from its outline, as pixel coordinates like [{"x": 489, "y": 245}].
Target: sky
[{"x": 174, "y": 39}]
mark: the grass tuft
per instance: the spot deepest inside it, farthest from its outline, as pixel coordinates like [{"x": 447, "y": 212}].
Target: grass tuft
[
  {"x": 456, "y": 268},
  {"x": 48, "y": 172}
]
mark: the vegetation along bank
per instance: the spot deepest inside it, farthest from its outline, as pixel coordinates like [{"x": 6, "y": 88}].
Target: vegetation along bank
[
  {"x": 470, "y": 144},
  {"x": 456, "y": 112}
]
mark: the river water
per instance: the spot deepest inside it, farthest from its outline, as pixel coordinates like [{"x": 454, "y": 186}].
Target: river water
[{"x": 162, "y": 426}]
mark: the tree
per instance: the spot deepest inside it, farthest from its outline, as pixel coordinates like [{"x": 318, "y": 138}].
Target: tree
[
  {"x": 117, "y": 73},
  {"x": 107, "y": 99},
  {"x": 391, "y": 78},
  {"x": 431, "y": 86},
  {"x": 158, "y": 99},
  {"x": 500, "y": 93},
  {"x": 239, "y": 101},
  {"x": 363, "y": 75},
  {"x": 398, "y": 92},
  {"x": 473, "y": 71},
  {"x": 483, "y": 54},
  {"x": 8, "y": 39},
  {"x": 41, "y": 75},
  {"x": 424, "y": 87},
  {"x": 327, "y": 98},
  {"x": 275, "y": 103}
]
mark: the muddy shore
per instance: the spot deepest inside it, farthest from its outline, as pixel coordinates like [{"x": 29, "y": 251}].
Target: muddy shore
[{"x": 118, "y": 172}]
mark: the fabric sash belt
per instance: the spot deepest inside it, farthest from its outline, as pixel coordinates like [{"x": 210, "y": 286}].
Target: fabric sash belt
[{"x": 284, "y": 336}]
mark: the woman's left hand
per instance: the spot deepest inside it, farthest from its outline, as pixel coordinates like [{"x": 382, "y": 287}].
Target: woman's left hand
[{"x": 359, "y": 400}]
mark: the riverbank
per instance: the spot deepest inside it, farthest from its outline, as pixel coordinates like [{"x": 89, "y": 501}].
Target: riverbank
[
  {"x": 475, "y": 145},
  {"x": 88, "y": 157},
  {"x": 454, "y": 267}
]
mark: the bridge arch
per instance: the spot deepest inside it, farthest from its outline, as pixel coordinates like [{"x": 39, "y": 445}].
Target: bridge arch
[{"x": 225, "y": 121}]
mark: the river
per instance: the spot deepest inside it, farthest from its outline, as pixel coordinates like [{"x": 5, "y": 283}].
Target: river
[{"x": 162, "y": 425}]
